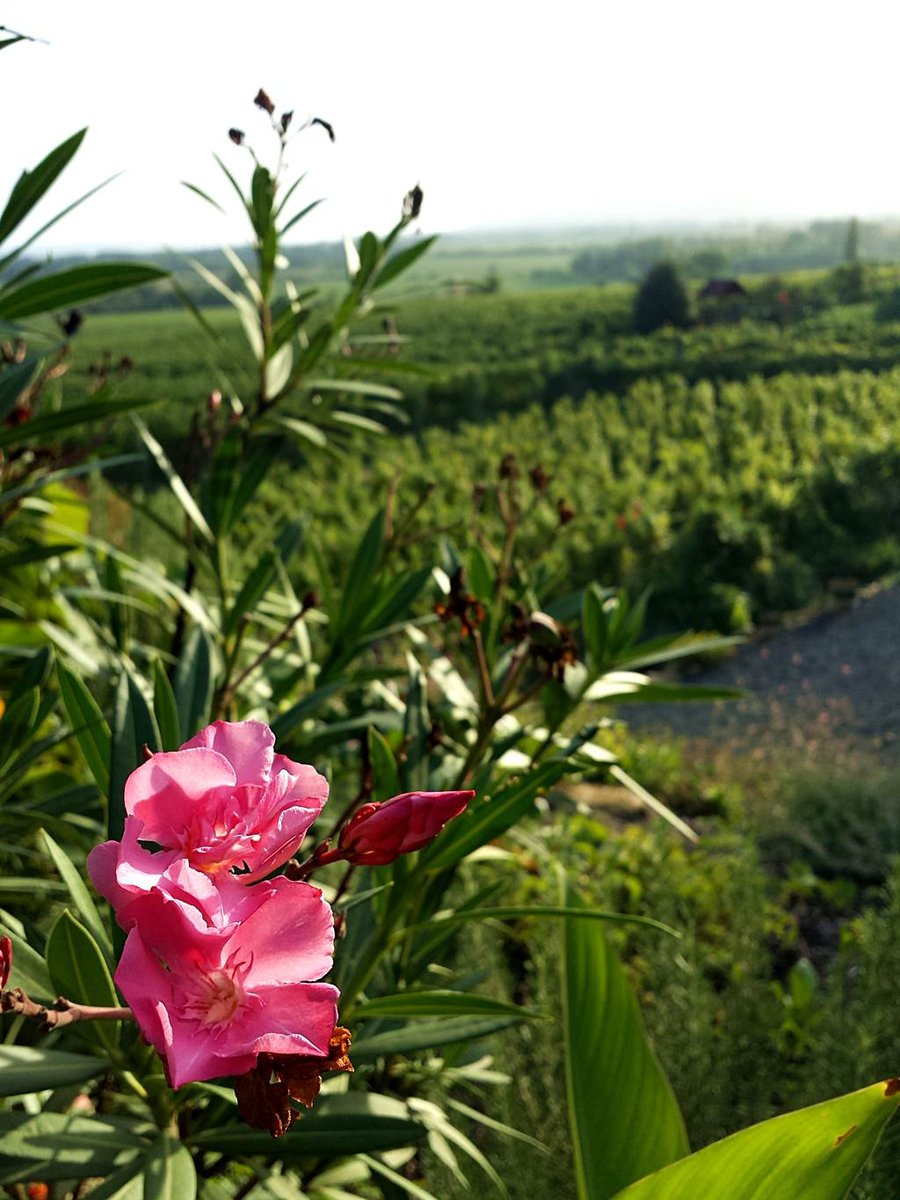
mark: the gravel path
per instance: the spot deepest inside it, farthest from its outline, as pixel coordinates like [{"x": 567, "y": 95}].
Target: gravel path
[{"x": 838, "y": 675}]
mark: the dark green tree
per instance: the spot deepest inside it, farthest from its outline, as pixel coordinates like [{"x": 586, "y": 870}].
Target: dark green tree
[{"x": 661, "y": 300}]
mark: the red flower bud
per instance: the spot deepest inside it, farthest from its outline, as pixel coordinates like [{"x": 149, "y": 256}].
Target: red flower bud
[
  {"x": 5, "y": 961},
  {"x": 378, "y": 833}
]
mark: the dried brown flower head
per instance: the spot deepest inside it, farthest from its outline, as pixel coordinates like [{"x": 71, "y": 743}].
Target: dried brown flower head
[{"x": 262, "y": 100}]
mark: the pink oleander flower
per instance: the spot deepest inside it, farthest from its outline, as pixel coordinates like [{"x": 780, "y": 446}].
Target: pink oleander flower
[
  {"x": 378, "y": 833},
  {"x": 212, "y": 986},
  {"x": 225, "y": 800}
]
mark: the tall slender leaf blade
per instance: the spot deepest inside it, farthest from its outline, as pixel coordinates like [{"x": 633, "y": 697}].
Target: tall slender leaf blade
[
  {"x": 812, "y": 1154},
  {"x": 623, "y": 1114},
  {"x": 75, "y": 285},
  {"x": 81, "y": 897},
  {"x": 26, "y": 1069},
  {"x": 193, "y": 683},
  {"x": 32, "y": 185},
  {"x": 88, "y": 724}
]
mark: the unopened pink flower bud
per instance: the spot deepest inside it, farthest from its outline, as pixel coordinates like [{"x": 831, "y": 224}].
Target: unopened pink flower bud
[
  {"x": 5, "y": 961},
  {"x": 378, "y": 833},
  {"x": 214, "y": 401}
]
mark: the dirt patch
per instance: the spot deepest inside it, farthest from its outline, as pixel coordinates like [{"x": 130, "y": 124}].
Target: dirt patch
[{"x": 837, "y": 676}]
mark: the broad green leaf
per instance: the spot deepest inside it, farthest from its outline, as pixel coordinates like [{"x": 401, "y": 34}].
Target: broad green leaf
[
  {"x": 623, "y": 1115},
  {"x": 29, "y": 971},
  {"x": 479, "y": 573},
  {"x": 77, "y": 967},
  {"x": 73, "y": 286},
  {"x": 812, "y": 1154},
  {"x": 169, "y": 1173},
  {"x": 127, "y": 1183},
  {"x": 133, "y": 728},
  {"x": 338, "y": 1126},
  {"x": 52, "y": 1146},
  {"x": 32, "y": 185},
  {"x": 439, "y": 1004},
  {"x": 88, "y": 724},
  {"x": 81, "y": 897},
  {"x": 424, "y": 1035},
  {"x": 193, "y": 682},
  {"x": 26, "y": 1069}
]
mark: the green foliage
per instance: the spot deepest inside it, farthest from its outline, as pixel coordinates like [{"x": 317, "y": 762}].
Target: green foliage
[
  {"x": 819, "y": 1152},
  {"x": 625, "y": 1119},
  {"x": 661, "y": 300},
  {"x": 397, "y": 645}
]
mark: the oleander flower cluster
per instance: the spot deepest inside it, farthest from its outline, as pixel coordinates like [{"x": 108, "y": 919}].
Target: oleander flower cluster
[{"x": 222, "y": 962}]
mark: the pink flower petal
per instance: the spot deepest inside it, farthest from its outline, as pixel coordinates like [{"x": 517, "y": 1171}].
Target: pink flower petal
[
  {"x": 289, "y": 937},
  {"x": 169, "y": 791},
  {"x": 297, "y": 1018},
  {"x": 246, "y": 744}
]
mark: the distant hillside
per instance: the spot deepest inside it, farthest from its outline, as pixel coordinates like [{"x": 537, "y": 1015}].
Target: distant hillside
[{"x": 524, "y": 260}]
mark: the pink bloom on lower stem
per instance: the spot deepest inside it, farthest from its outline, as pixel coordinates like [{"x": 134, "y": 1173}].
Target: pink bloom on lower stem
[
  {"x": 225, "y": 800},
  {"x": 378, "y": 833},
  {"x": 212, "y": 992}
]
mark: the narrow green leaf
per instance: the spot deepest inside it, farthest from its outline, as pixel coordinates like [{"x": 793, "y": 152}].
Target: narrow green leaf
[
  {"x": 174, "y": 480},
  {"x": 165, "y": 708},
  {"x": 364, "y": 565},
  {"x": 402, "y": 261},
  {"x": 385, "y": 775},
  {"x": 81, "y": 897},
  {"x": 524, "y": 912},
  {"x": 88, "y": 724},
  {"x": 287, "y": 722},
  {"x": 256, "y": 583},
  {"x": 653, "y": 804},
  {"x": 623, "y": 1115},
  {"x": 338, "y": 1126},
  {"x": 25, "y": 1069},
  {"x": 812, "y": 1154},
  {"x": 425, "y": 1035},
  {"x": 32, "y": 185},
  {"x": 133, "y": 728},
  {"x": 192, "y": 187},
  {"x": 440, "y": 1004},
  {"x": 73, "y": 286},
  {"x": 193, "y": 683},
  {"x": 40, "y": 428}
]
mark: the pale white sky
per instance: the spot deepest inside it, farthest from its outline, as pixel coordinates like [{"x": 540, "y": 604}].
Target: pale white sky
[{"x": 509, "y": 112}]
